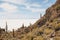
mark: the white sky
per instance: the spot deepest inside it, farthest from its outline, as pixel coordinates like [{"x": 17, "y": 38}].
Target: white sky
[{"x": 16, "y": 23}]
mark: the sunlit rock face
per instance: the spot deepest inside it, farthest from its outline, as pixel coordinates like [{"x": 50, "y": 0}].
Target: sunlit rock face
[
  {"x": 54, "y": 11},
  {"x": 58, "y": 1}
]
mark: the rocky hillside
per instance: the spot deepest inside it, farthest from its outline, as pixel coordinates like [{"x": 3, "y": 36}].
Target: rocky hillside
[{"x": 46, "y": 28}]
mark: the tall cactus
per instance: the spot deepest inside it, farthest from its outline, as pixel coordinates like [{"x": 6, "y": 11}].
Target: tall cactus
[
  {"x": 40, "y": 15},
  {"x": 13, "y": 33},
  {"x": 6, "y": 27},
  {"x": 30, "y": 24},
  {"x": 22, "y": 26}
]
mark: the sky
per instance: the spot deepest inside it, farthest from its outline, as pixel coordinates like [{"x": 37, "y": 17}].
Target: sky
[{"x": 17, "y": 12}]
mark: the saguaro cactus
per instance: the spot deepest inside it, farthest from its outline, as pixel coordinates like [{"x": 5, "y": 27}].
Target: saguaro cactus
[
  {"x": 30, "y": 24},
  {"x": 6, "y": 27},
  {"x": 40, "y": 15},
  {"x": 22, "y": 26},
  {"x": 13, "y": 33}
]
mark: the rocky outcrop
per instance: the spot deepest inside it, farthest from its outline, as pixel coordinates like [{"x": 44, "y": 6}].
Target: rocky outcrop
[
  {"x": 51, "y": 13},
  {"x": 54, "y": 11},
  {"x": 58, "y": 2}
]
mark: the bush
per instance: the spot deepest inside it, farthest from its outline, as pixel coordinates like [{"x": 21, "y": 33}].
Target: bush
[
  {"x": 58, "y": 8},
  {"x": 39, "y": 33},
  {"x": 39, "y": 38},
  {"x": 27, "y": 30},
  {"x": 57, "y": 27},
  {"x": 48, "y": 31},
  {"x": 29, "y": 37}
]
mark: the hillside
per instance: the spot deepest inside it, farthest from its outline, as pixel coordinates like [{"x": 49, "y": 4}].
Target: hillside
[{"x": 46, "y": 28}]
